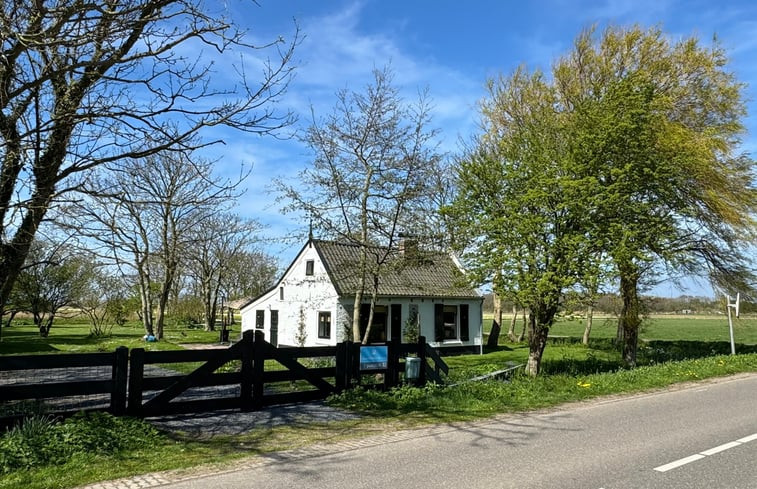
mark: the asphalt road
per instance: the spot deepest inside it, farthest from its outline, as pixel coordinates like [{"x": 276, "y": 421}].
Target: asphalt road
[{"x": 703, "y": 436}]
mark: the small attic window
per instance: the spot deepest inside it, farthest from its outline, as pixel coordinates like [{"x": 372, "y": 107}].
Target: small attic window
[{"x": 309, "y": 267}]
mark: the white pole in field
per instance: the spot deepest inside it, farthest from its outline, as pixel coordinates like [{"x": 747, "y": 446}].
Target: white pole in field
[{"x": 735, "y": 305}]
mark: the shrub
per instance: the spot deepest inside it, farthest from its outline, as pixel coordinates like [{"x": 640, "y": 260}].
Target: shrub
[{"x": 42, "y": 440}]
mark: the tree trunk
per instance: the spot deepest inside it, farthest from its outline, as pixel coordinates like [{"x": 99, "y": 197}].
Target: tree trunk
[
  {"x": 11, "y": 316},
  {"x": 589, "y": 319},
  {"x": 165, "y": 293},
  {"x": 45, "y": 325},
  {"x": 363, "y": 265},
  {"x": 629, "y": 320},
  {"x": 146, "y": 300},
  {"x": 356, "y": 315},
  {"x": 537, "y": 341},
  {"x": 493, "y": 339},
  {"x": 513, "y": 320},
  {"x": 374, "y": 297},
  {"x": 522, "y": 334}
]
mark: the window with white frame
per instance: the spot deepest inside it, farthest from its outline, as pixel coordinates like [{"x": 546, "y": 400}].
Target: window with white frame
[{"x": 324, "y": 325}]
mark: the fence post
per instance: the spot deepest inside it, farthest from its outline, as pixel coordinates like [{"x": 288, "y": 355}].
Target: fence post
[
  {"x": 422, "y": 356},
  {"x": 258, "y": 366},
  {"x": 391, "y": 379},
  {"x": 245, "y": 396},
  {"x": 136, "y": 375},
  {"x": 340, "y": 379},
  {"x": 119, "y": 375}
]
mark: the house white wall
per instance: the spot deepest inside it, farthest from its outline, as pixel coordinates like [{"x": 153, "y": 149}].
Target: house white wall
[
  {"x": 301, "y": 298},
  {"x": 297, "y": 293}
]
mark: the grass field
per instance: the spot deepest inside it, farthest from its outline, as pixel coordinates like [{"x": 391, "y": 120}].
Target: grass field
[
  {"x": 73, "y": 336},
  {"x": 669, "y": 328}
]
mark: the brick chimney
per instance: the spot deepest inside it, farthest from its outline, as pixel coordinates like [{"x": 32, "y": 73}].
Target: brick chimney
[{"x": 408, "y": 246}]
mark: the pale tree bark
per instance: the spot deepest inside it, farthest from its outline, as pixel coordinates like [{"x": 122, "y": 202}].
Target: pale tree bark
[
  {"x": 511, "y": 330},
  {"x": 589, "y": 320},
  {"x": 524, "y": 325}
]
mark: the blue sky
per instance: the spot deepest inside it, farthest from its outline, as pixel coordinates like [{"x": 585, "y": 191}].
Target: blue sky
[{"x": 451, "y": 48}]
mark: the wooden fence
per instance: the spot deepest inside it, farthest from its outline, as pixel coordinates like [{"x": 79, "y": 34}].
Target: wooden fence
[{"x": 248, "y": 375}]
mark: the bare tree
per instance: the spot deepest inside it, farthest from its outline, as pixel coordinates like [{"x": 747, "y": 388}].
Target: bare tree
[
  {"x": 374, "y": 158},
  {"x": 217, "y": 243},
  {"x": 145, "y": 214},
  {"x": 88, "y": 83},
  {"x": 251, "y": 272}
]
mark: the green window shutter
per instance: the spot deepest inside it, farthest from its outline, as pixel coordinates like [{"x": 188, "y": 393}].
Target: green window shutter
[
  {"x": 464, "y": 323},
  {"x": 438, "y": 322}
]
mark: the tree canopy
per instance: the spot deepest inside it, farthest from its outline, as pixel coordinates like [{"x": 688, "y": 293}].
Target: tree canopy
[{"x": 629, "y": 152}]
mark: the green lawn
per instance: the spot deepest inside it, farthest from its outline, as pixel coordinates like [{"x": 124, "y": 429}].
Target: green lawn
[
  {"x": 676, "y": 328},
  {"x": 670, "y": 328},
  {"x": 673, "y": 349},
  {"x": 74, "y": 336}
]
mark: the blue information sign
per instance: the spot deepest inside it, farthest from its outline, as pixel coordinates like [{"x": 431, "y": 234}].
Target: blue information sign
[{"x": 374, "y": 357}]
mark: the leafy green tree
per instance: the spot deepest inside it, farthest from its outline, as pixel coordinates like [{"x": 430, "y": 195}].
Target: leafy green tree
[
  {"x": 519, "y": 208},
  {"x": 655, "y": 132},
  {"x": 50, "y": 281},
  {"x": 628, "y": 151}
]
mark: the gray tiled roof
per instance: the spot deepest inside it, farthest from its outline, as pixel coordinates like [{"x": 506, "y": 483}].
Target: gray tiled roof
[{"x": 421, "y": 274}]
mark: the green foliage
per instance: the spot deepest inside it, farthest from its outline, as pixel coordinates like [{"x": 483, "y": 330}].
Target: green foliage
[
  {"x": 301, "y": 335},
  {"x": 187, "y": 312},
  {"x": 627, "y": 155},
  {"x": 587, "y": 379},
  {"x": 42, "y": 440},
  {"x": 412, "y": 330}
]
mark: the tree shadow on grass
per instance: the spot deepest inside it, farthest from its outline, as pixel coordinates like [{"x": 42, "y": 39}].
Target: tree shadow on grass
[
  {"x": 658, "y": 351},
  {"x": 649, "y": 353}
]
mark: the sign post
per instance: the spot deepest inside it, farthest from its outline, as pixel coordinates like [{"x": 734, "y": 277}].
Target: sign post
[{"x": 735, "y": 306}]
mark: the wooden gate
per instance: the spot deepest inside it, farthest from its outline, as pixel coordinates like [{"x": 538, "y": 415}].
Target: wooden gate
[
  {"x": 249, "y": 375},
  {"x": 258, "y": 364}
]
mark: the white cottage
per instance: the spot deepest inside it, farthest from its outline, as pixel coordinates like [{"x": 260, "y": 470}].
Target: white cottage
[{"x": 312, "y": 304}]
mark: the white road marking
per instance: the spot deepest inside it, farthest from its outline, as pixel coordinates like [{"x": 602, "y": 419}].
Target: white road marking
[
  {"x": 721, "y": 448},
  {"x": 706, "y": 453},
  {"x": 678, "y": 463},
  {"x": 747, "y": 439}
]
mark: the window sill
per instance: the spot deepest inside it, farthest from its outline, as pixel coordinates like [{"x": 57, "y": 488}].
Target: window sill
[{"x": 452, "y": 342}]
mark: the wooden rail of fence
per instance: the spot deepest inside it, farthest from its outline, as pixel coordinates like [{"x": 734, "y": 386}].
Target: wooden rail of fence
[{"x": 130, "y": 390}]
